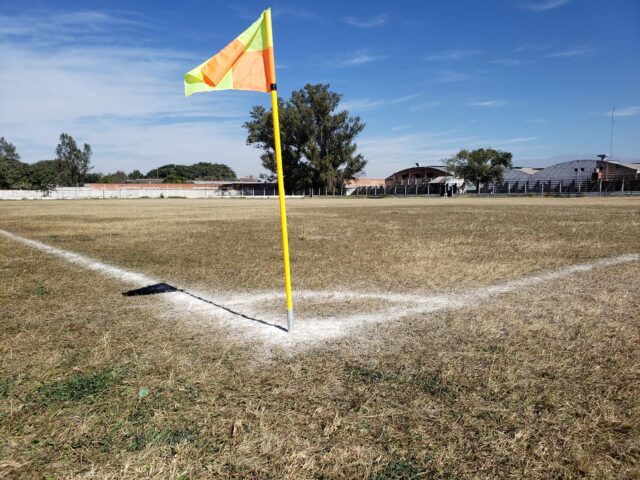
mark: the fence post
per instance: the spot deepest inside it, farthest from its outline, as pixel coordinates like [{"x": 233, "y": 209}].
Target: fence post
[
  {"x": 622, "y": 187},
  {"x": 600, "y": 185},
  {"x": 405, "y": 189}
]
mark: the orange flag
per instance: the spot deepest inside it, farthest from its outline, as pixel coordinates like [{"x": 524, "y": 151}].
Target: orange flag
[{"x": 244, "y": 64}]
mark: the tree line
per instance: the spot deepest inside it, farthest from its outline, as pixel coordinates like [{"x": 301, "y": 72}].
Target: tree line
[{"x": 72, "y": 166}]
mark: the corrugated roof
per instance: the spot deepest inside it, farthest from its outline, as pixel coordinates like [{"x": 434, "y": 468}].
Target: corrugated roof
[
  {"x": 571, "y": 170},
  {"x": 516, "y": 175}
]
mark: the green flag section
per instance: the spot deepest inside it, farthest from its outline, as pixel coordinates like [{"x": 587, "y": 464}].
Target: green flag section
[{"x": 244, "y": 64}]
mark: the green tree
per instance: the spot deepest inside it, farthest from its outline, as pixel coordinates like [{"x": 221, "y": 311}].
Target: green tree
[
  {"x": 479, "y": 166},
  {"x": 73, "y": 164},
  {"x": 119, "y": 177},
  {"x": 94, "y": 177},
  {"x": 43, "y": 175},
  {"x": 318, "y": 140},
  {"x": 173, "y": 178},
  {"x": 13, "y": 172},
  {"x": 136, "y": 175},
  {"x": 202, "y": 170}
]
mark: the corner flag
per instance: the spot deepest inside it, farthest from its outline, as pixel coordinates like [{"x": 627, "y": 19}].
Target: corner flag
[{"x": 248, "y": 63}]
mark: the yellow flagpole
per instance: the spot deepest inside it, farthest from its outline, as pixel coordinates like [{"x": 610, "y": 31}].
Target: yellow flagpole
[{"x": 281, "y": 193}]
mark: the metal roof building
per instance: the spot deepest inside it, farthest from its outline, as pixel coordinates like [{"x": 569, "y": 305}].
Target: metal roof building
[
  {"x": 516, "y": 174},
  {"x": 584, "y": 170},
  {"x": 567, "y": 171}
]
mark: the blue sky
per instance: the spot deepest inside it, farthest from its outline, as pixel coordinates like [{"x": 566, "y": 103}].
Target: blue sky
[{"x": 536, "y": 77}]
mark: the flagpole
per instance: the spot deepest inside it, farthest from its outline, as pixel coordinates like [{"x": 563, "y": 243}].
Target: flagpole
[{"x": 281, "y": 192}]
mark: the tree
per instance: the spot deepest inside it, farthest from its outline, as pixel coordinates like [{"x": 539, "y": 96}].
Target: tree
[
  {"x": 94, "y": 177},
  {"x": 43, "y": 175},
  {"x": 73, "y": 164},
  {"x": 13, "y": 172},
  {"x": 318, "y": 141},
  {"x": 136, "y": 175},
  {"x": 173, "y": 178},
  {"x": 479, "y": 166},
  {"x": 119, "y": 177},
  {"x": 201, "y": 170}
]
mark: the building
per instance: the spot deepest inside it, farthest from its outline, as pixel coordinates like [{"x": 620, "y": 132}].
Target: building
[
  {"x": 585, "y": 170},
  {"x": 364, "y": 182},
  {"x": 611, "y": 170},
  {"x": 518, "y": 174},
  {"x": 416, "y": 175}
]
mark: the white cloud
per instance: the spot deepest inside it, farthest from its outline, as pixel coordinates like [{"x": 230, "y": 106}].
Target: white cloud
[
  {"x": 367, "y": 104},
  {"x": 545, "y": 5},
  {"x": 400, "y": 128},
  {"x": 57, "y": 26},
  {"x": 626, "y": 112},
  {"x": 488, "y": 103},
  {"x": 126, "y": 101},
  {"x": 579, "y": 51},
  {"x": 360, "y": 57},
  {"x": 375, "y": 21}
]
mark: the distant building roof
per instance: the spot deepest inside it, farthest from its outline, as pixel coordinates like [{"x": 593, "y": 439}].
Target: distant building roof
[
  {"x": 364, "y": 182},
  {"x": 571, "y": 170},
  {"x": 529, "y": 170},
  {"x": 517, "y": 174},
  {"x": 448, "y": 180},
  {"x": 146, "y": 180},
  {"x": 420, "y": 171}
]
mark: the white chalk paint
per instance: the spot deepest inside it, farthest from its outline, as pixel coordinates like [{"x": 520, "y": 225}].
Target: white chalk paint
[{"x": 246, "y": 316}]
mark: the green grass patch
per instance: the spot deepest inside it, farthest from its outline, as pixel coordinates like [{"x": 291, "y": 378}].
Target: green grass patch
[
  {"x": 77, "y": 387},
  {"x": 5, "y": 383},
  {"x": 431, "y": 384}
]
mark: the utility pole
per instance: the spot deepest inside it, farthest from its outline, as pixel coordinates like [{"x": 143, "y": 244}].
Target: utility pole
[{"x": 611, "y": 142}]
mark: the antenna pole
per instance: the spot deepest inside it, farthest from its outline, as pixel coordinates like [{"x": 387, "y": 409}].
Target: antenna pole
[{"x": 611, "y": 142}]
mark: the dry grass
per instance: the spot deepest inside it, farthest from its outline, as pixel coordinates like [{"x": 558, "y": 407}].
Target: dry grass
[
  {"x": 538, "y": 384},
  {"x": 391, "y": 244}
]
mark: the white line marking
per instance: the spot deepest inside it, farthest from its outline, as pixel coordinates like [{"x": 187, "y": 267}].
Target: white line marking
[{"x": 235, "y": 311}]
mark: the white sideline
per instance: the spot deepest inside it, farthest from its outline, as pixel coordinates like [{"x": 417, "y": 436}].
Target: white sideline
[{"x": 309, "y": 331}]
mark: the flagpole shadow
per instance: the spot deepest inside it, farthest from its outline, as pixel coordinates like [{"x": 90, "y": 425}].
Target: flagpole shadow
[{"x": 166, "y": 288}]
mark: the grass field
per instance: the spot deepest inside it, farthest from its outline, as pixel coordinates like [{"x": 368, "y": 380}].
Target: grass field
[{"x": 542, "y": 381}]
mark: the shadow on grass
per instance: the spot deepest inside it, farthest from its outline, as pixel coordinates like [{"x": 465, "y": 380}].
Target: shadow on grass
[{"x": 166, "y": 288}]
